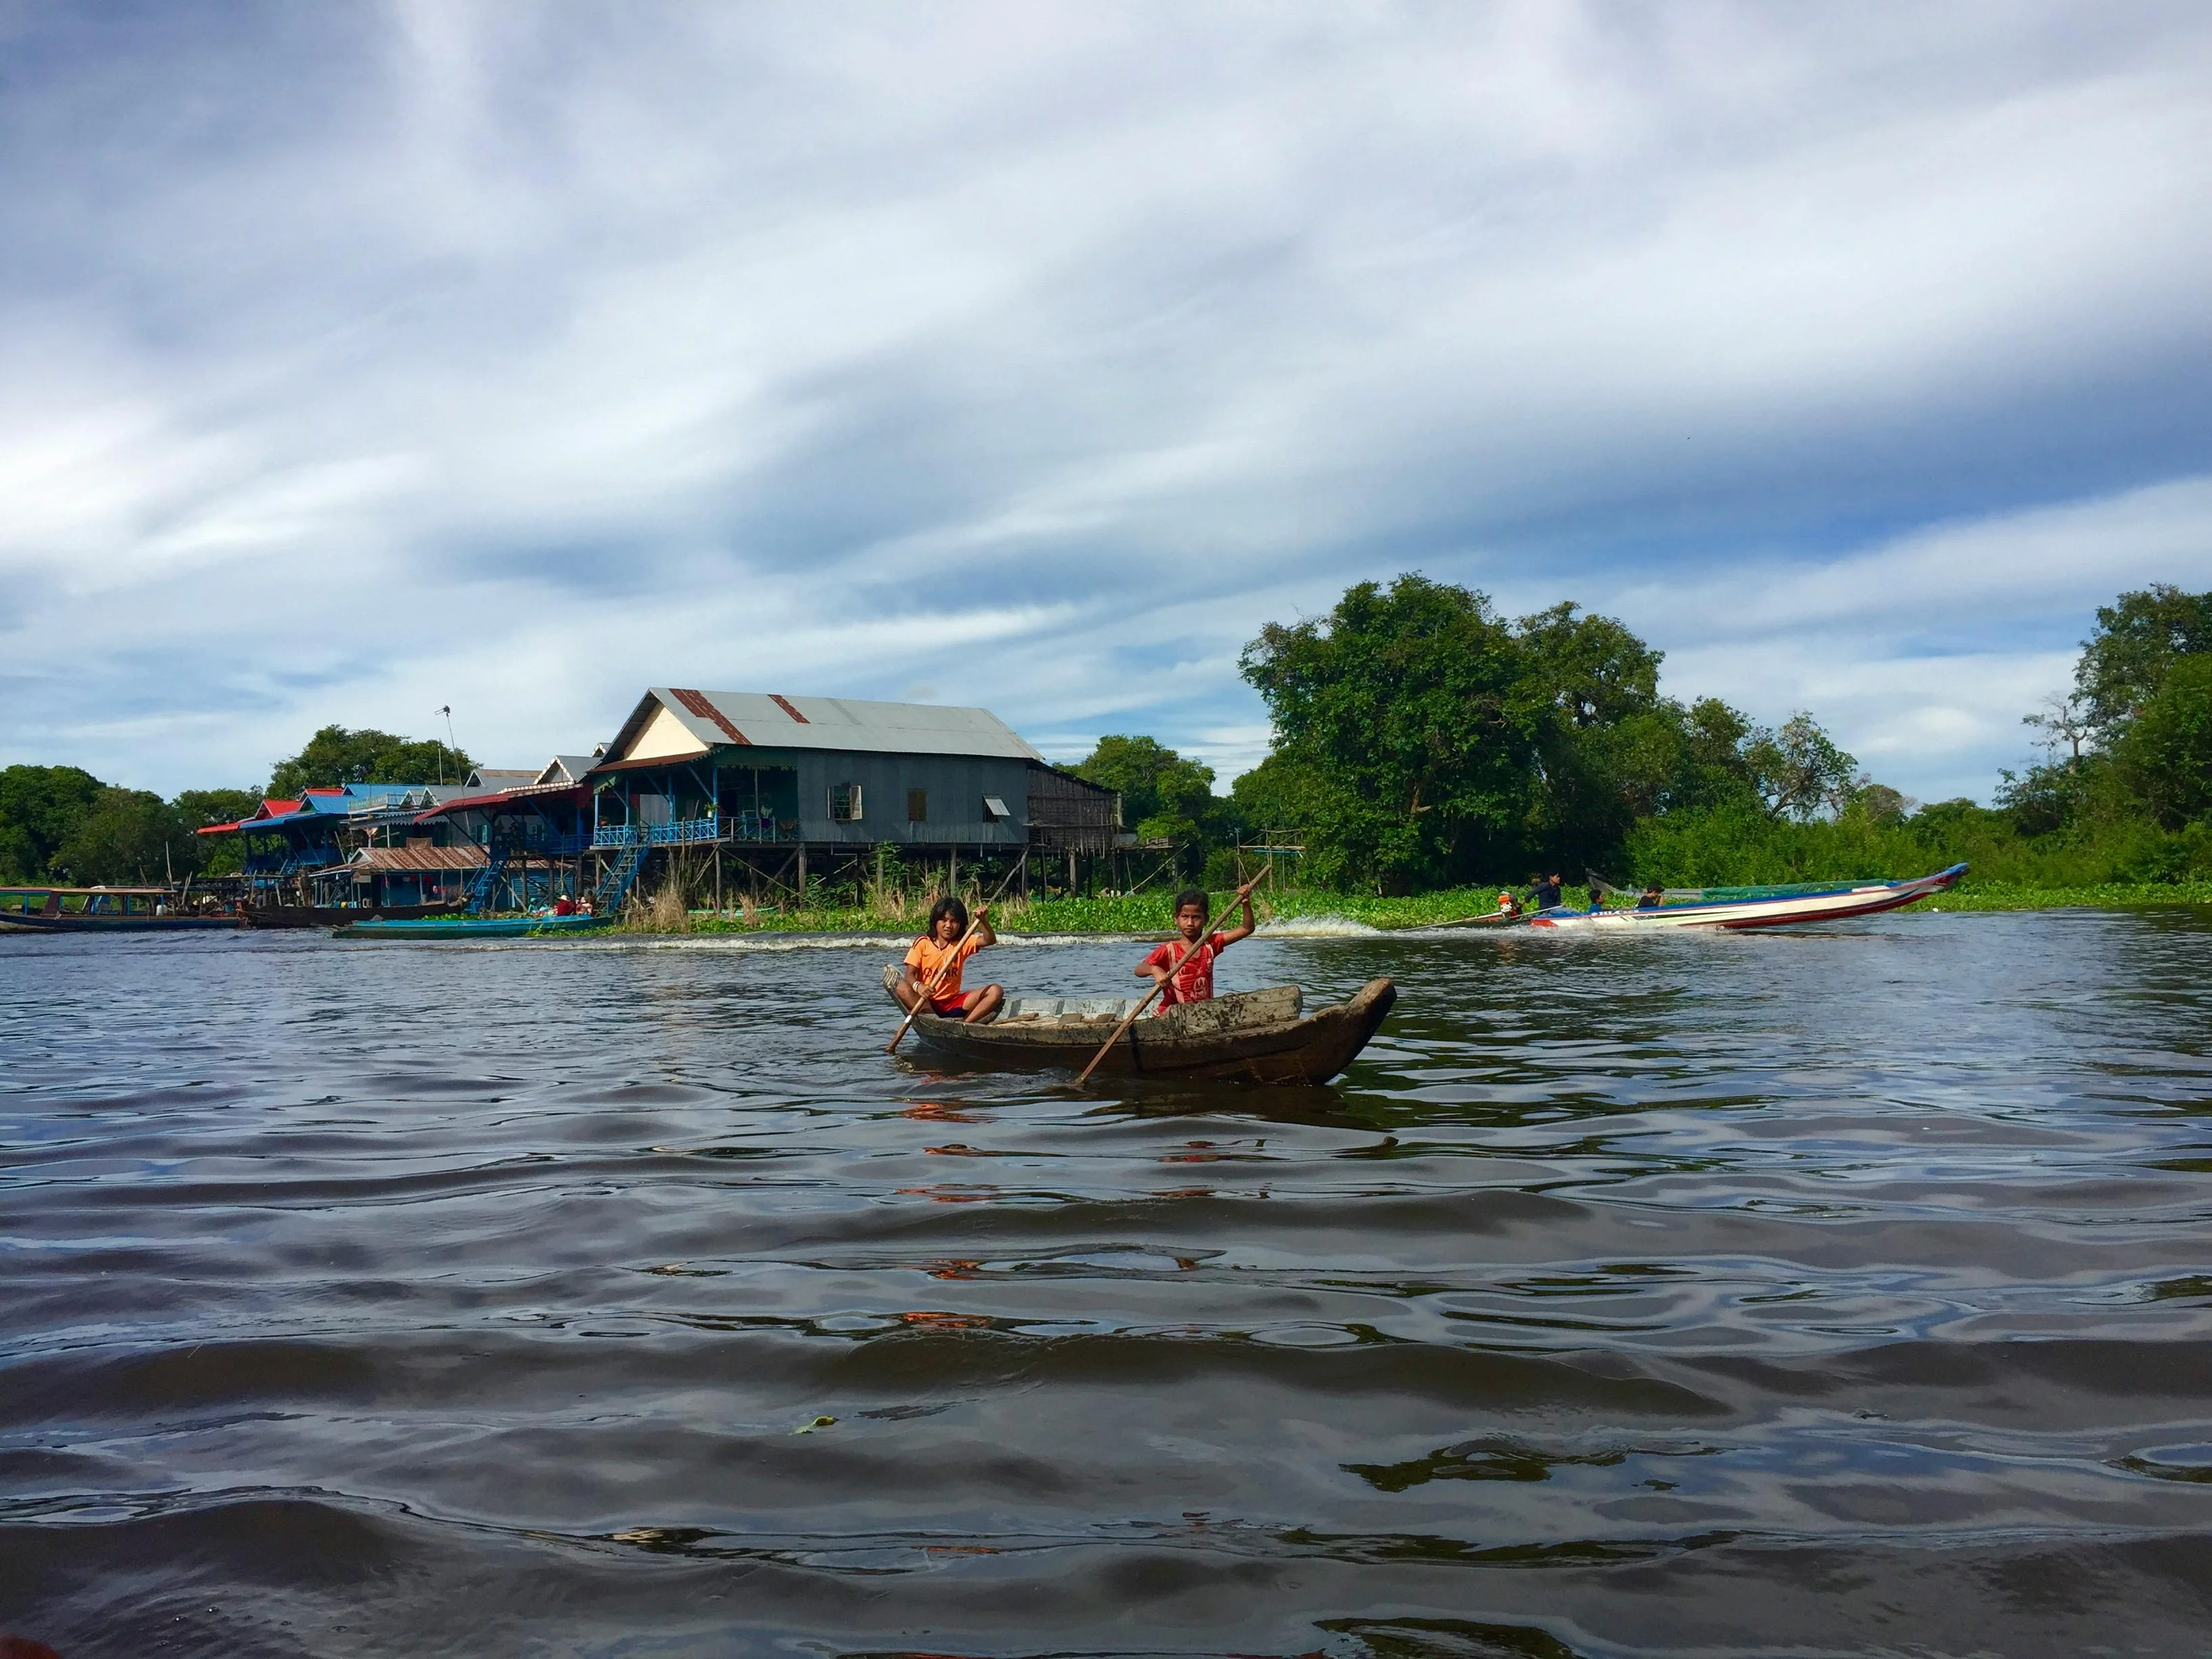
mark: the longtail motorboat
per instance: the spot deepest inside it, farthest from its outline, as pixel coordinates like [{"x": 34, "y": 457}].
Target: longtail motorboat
[
  {"x": 1741, "y": 908},
  {"x": 1255, "y": 1037},
  {"x": 1492, "y": 918},
  {"x": 101, "y": 910}
]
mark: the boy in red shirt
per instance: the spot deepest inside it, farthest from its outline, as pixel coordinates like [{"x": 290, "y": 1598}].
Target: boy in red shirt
[
  {"x": 948, "y": 922},
  {"x": 1193, "y": 979}
]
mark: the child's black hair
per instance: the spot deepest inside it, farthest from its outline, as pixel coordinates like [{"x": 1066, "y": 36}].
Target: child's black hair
[
  {"x": 948, "y": 906},
  {"x": 1194, "y": 895}
]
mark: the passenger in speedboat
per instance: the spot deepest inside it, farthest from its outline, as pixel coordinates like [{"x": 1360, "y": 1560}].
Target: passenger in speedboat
[
  {"x": 1193, "y": 980},
  {"x": 949, "y": 941},
  {"x": 1654, "y": 897},
  {"x": 1544, "y": 894}
]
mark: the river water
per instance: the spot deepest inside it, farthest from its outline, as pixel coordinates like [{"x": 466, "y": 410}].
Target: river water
[{"x": 1842, "y": 1290}]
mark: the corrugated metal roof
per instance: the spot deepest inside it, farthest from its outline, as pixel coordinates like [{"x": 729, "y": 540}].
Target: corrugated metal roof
[
  {"x": 567, "y": 768},
  {"x": 424, "y": 859},
  {"x": 770, "y": 721}
]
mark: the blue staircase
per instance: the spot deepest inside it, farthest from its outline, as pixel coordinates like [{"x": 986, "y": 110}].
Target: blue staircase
[
  {"x": 615, "y": 885},
  {"x": 485, "y": 882}
]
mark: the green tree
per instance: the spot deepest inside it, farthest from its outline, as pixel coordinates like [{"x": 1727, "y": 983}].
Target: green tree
[
  {"x": 214, "y": 855},
  {"x": 1165, "y": 795},
  {"x": 40, "y": 807},
  {"x": 2164, "y": 756},
  {"x": 128, "y": 836},
  {"x": 1280, "y": 796},
  {"x": 1799, "y": 771},
  {"x": 337, "y": 756},
  {"x": 1414, "y": 709},
  {"x": 1607, "y": 745},
  {"x": 2139, "y": 636},
  {"x": 1595, "y": 672}
]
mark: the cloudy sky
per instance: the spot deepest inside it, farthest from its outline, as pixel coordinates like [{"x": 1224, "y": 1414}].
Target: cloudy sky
[{"x": 357, "y": 360}]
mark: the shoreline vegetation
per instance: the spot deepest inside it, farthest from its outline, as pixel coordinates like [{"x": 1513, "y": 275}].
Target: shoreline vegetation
[
  {"x": 1422, "y": 743},
  {"x": 1148, "y": 913}
]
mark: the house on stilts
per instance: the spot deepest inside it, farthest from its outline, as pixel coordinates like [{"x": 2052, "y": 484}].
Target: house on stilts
[{"x": 730, "y": 792}]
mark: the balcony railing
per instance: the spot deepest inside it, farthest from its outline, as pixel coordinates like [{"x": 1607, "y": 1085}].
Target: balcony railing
[{"x": 681, "y": 832}]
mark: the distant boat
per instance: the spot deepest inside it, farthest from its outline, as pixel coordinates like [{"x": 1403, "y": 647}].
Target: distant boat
[
  {"x": 468, "y": 927},
  {"x": 1740, "y": 908},
  {"x": 332, "y": 916},
  {"x": 100, "y": 911}
]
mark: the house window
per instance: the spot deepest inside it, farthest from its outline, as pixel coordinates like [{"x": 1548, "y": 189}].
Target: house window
[
  {"x": 995, "y": 808},
  {"x": 845, "y": 803},
  {"x": 917, "y": 805}
]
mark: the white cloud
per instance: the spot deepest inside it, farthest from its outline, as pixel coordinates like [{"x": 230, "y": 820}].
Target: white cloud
[{"x": 353, "y": 364}]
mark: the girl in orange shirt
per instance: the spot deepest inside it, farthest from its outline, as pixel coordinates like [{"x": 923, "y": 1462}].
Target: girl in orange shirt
[{"x": 944, "y": 943}]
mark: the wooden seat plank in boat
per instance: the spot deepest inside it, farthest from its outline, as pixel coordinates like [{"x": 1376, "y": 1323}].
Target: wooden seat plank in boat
[{"x": 1256, "y": 1036}]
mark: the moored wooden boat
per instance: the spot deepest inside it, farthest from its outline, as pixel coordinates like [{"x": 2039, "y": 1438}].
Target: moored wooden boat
[
  {"x": 474, "y": 928},
  {"x": 101, "y": 910},
  {"x": 1769, "y": 908},
  {"x": 1255, "y": 1037},
  {"x": 330, "y": 915}
]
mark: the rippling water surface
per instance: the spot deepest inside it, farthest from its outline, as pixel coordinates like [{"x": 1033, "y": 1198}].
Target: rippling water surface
[{"x": 1835, "y": 1292}]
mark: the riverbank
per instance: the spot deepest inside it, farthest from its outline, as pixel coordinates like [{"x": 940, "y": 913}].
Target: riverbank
[
  {"x": 2112, "y": 896},
  {"x": 1148, "y": 913}
]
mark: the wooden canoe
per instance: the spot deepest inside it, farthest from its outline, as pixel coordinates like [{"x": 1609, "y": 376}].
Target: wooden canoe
[{"x": 1253, "y": 1036}]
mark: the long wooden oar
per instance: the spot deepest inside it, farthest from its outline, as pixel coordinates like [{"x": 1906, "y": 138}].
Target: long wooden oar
[
  {"x": 1242, "y": 893},
  {"x": 947, "y": 965}
]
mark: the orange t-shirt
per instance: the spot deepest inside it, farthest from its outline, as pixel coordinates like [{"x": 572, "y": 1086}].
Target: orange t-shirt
[{"x": 926, "y": 956}]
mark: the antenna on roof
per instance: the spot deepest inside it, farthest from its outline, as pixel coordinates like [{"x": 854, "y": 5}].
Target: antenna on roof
[{"x": 448, "y": 711}]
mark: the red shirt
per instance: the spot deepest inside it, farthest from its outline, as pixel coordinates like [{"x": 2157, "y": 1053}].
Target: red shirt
[{"x": 1194, "y": 981}]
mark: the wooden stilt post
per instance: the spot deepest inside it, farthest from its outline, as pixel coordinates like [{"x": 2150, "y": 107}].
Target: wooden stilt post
[{"x": 802, "y": 874}]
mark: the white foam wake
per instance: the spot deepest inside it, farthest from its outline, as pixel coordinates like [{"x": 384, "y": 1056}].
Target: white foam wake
[{"x": 1325, "y": 927}]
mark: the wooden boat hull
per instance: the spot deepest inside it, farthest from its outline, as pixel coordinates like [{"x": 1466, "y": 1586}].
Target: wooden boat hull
[
  {"x": 1204, "y": 1041},
  {"x": 474, "y": 928},
  {"x": 330, "y": 915},
  {"x": 1837, "y": 904},
  {"x": 67, "y": 923}
]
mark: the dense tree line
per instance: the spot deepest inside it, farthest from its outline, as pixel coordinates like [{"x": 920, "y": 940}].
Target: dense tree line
[
  {"x": 61, "y": 824},
  {"x": 1421, "y": 739}
]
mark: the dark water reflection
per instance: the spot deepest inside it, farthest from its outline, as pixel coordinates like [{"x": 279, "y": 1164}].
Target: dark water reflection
[{"x": 1842, "y": 1291}]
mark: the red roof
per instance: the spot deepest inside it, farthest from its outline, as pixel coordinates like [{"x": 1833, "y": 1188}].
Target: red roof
[{"x": 268, "y": 808}]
